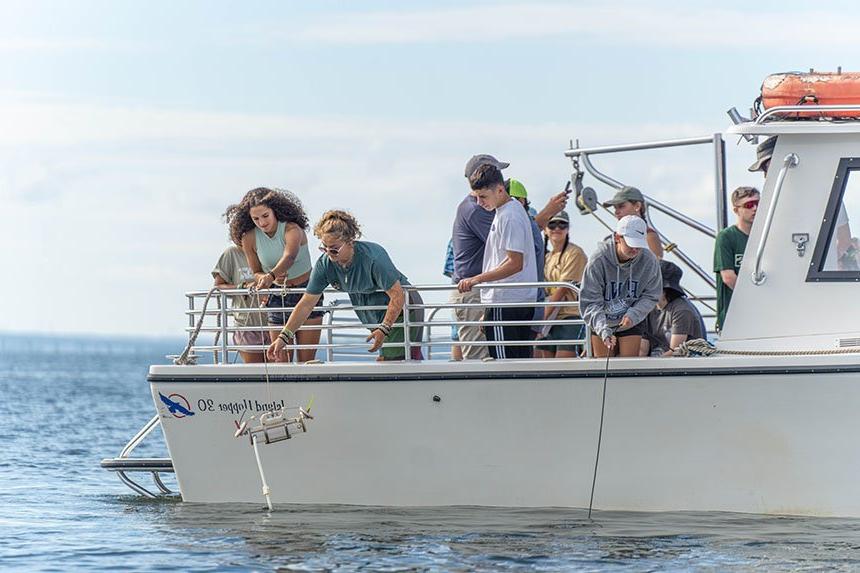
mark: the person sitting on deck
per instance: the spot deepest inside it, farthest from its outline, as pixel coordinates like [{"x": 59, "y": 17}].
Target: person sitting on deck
[
  {"x": 730, "y": 246},
  {"x": 361, "y": 269},
  {"x": 620, "y": 286},
  {"x": 675, "y": 320},
  {"x": 509, "y": 257}
]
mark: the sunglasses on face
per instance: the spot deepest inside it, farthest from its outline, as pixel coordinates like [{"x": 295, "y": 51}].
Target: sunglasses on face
[
  {"x": 330, "y": 250},
  {"x": 554, "y": 226},
  {"x": 749, "y": 204}
]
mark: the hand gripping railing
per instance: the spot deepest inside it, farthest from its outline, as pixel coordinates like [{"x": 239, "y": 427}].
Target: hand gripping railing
[{"x": 791, "y": 160}]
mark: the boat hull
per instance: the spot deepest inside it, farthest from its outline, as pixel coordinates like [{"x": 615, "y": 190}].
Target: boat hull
[{"x": 737, "y": 434}]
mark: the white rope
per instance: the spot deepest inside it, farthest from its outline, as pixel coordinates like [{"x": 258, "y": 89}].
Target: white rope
[
  {"x": 599, "y": 434},
  {"x": 255, "y": 295},
  {"x": 184, "y": 358},
  {"x": 700, "y": 347}
]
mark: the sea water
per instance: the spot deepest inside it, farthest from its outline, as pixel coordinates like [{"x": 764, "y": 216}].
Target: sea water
[{"x": 68, "y": 402}]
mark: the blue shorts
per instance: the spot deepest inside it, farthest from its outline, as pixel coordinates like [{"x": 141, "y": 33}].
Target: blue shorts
[{"x": 280, "y": 317}]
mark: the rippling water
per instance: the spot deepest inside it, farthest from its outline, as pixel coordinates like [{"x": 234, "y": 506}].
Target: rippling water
[{"x": 68, "y": 402}]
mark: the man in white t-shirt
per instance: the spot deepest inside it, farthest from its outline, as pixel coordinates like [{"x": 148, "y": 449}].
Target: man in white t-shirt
[{"x": 509, "y": 257}]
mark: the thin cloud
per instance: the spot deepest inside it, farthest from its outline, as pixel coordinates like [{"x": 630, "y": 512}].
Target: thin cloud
[
  {"x": 625, "y": 24},
  {"x": 36, "y": 44},
  {"x": 127, "y": 187}
]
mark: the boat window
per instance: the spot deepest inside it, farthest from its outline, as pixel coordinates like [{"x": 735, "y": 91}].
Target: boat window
[{"x": 837, "y": 252}]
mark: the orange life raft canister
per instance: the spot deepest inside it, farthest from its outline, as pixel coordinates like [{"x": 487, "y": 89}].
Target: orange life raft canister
[{"x": 821, "y": 88}]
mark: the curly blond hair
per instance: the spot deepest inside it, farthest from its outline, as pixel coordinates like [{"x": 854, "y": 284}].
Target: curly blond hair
[{"x": 339, "y": 223}]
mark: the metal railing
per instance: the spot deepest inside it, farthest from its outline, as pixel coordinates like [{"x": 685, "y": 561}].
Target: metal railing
[
  {"x": 340, "y": 323},
  {"x": 583, "y": 154},
  {"x": 342, "y": 334},
  {"x": 811, "y": 108},
  {"x": 791, "y": 160}
]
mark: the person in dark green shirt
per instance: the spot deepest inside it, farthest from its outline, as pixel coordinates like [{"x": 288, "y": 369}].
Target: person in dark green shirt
[
  {"x": 730, "y": 246},
  {"x": 365, "y": 272}
]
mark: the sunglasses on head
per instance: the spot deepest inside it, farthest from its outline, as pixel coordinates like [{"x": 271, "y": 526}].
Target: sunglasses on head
[
  {"x": 557, "y": 225},
  {"x": 749, "y": 204},
  {"x": 330, "y": 250}
]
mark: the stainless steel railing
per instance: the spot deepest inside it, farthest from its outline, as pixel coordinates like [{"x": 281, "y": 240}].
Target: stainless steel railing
[{"x": 342, "y": 332}]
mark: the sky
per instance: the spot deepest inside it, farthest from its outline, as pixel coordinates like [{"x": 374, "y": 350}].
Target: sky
[{"x": 127, "y": 128}]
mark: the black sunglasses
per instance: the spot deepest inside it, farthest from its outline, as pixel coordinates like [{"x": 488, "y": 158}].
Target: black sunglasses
[
  {"x": 557, "y": 225},
  {"x": 330, "y": 250}
]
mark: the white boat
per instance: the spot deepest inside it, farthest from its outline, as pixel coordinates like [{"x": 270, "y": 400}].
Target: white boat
[{"x": 767, "y": 424}]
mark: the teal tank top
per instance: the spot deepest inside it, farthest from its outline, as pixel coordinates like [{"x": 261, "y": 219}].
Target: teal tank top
[{"x": 271, "y": 249}]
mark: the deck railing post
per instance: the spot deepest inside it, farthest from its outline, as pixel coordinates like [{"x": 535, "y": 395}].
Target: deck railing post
[
  {"x": 328, "y": 320},
  {"x": 406, "y": 338},
  {"x": 223, "y": 301}
]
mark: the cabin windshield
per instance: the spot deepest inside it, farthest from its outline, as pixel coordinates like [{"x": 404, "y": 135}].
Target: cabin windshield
[{"x": 837, "y": 254}]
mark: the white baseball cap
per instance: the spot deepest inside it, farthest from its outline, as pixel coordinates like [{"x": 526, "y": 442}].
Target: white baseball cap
[{"x": 633, "y": 229}]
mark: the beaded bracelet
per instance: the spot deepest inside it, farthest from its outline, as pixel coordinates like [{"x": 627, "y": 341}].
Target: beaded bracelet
[
  {"x": 384, "y": 328},
  {"x": 286, "y": 335}
]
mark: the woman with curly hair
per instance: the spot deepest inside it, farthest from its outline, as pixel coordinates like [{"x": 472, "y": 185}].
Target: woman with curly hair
[
  {"x": 269, "y": 225},
  {"x": 365, "y": 272}
]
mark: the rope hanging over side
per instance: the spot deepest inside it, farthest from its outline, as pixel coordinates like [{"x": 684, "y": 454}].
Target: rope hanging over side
[
  {"x": 186, "y": 358},
  {"x": 700, "y": 347}
]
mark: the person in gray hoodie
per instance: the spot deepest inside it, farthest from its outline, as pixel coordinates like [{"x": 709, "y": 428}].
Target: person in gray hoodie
[{"x": 621, "y": 285}]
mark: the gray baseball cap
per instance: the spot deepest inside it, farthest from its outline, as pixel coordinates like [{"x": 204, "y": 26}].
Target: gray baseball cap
[
  {"x": 625, "y": 194},
  {"x": 483, "y": 159},
  {"x": 561, "y": 216},
  {"x": 763, "y": 153}
]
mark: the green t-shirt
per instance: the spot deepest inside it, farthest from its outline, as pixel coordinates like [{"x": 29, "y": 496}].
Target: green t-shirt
[
  {"x": 728, "y": 254},
  {"x": 371, "y": 271}
]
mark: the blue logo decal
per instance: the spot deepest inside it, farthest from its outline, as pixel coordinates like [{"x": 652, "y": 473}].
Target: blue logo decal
[{"x": 174, "y": 406}]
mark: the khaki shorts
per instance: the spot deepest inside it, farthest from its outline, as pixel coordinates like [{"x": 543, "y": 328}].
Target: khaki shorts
[{"x": 470, "y": 333}]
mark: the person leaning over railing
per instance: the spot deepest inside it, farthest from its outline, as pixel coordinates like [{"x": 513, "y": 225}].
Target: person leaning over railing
[
  {"x": 269, "y": 225},
  {"x": 361, "y": 269}
]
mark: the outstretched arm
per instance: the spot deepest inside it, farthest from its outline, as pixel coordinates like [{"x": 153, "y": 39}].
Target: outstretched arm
[{"x": 396, "y": 299}]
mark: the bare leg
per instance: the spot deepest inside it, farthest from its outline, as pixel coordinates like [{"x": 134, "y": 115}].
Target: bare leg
[
  {"x": 629, "y": 345},
  {"x": 599, "y": 349},
  {"x": 309, "y": 337},
  {"x": 251, "y": 357},
  {"x": 543, "y": 353},
  {"x": 456, "y": 353},
  {"x": 566, "y": 354}
]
